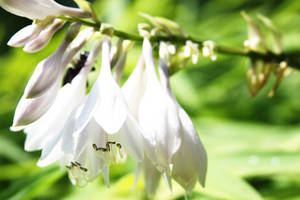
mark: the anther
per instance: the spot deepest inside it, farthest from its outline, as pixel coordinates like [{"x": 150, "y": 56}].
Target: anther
[{"x": 119, "y": 145}]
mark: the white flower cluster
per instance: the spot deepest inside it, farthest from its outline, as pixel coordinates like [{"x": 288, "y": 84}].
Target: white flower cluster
[{"x": 87, "y": 132}]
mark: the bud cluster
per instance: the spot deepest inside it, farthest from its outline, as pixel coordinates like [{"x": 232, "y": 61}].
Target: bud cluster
[{"x": 260, "y": 70}]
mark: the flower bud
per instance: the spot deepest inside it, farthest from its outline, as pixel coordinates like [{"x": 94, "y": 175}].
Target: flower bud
[
  {"x": 144, "y": 29},
  {"x": 40, "y": 9},
  {"x": 44, "y": 37},
  {"x": 26, "y": 34},
  {"x": 208, "y": 50},
  {"x": 49, "y": 70},
  {"x": 164, "y": 25}
]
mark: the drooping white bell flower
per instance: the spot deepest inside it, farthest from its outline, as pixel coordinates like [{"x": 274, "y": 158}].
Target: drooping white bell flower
[
  {"x": 134, "y": 88},
  {"x": 158, "y": 117},
  {"x": 40, "y": 9},
  {"x": 30, "y": 110},
  {"x": 49, "y": 71},
  {"x": 28, "y": 33},
  {"x": 54, "y": 144},
  {"x": 106, "y": 102},
  {"x": 68, "y": 98},
  {"x": 190, "y": 161},
  {"x": 84, "y": 143},
  {"x": 44, "y": 37}
]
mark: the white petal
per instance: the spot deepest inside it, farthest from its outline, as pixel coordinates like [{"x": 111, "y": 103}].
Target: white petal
[
  {"x": 194, "y": 147},
  {"x": 191, "y": 150},
  {"x": 158, "y": 115},
  {"x": 69, "y": 97},
  {"x": 94, "y": 95},
  {"x": 46, "y": 73},
  {"x": 131, "y": 137},
  {"x": 152, "y": 177},
  {"x": 44, "y": 37},
  {"x": 89, "y": 135},
  {"x": 25, "y": 35},
  {"x": 111, "y": 110},
  {"x": 30, "y": 110},
  {"x": 40, "y": 9},
  {"x": 133, "y": 89}
]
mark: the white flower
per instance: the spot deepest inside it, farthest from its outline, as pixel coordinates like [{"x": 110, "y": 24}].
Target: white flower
[
  {"x": 172, "y": 145},
  {"x": 30, "y": 110},
  {"x": 158, "y": 117},
  {"x": 44, "y": 37},
  {"x": 134, "y": 88},
  {"x": 83, "y": 145},
  {"x": 75, "y": 93},
  {"x": 107, "y": 105},
  {"x": 50, "y": 70},
  {"x": 191, "y": 150},
  {"x": 68, "y": 98},
  {"x": 28, "y": 33},
  {"x": 40, "y": 9}
]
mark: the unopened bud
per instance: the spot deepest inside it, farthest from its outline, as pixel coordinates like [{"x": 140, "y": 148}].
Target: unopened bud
[
  {"x": 72, "y": 32},
  {"x": 44, "y": 37},
  {"x": 144, "y": 30},
  {"x": 208, "y": 50}
]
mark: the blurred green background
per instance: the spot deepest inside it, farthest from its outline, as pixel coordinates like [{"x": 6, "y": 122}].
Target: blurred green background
[{"x": 253, "y": 144}]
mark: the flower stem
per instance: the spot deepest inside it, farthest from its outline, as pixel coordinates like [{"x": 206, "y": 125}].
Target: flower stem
[{"x": 291, "y": 57}]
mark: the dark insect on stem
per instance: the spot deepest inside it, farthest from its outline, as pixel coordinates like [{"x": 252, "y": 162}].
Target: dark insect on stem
[{"x": 78, "y": 64}]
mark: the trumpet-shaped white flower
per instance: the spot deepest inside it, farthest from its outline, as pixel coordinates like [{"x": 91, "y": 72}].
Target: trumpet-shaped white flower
[
  {"x": 172, "y": 145},
  {"x": 40, "y": 9},
  {"x": 54, "y": 145},
  {"x": 158, "y": 117},
  {"x": 44, "y": 37},
  {"x": 190, "y": 161},
  {"x": 134, "y": 88},
  {"x": 30, "y": 110},
  {"x": 83, "y": 145},
  {"x": 68, "y": 98},
  {"x": 50, "y": 70}
]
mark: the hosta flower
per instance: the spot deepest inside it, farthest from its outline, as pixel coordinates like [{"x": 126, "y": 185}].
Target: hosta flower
[
  {"x": 171, "y": 141},
  {"x": 44, "y": 37},
  {"x": 190, "y": 161},
  {"x": 76, "y": 93},
  {"x": 159, "y": 119},
  {"x": 30, "y": 110},
  {"x": 40, "y": 9},
  {"x": 88, "y": 147},
  {"x": 50, "y": 70},
  {"x": 28, "y": 33}
]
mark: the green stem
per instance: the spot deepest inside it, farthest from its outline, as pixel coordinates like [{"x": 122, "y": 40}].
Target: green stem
[{"x": 291, "y": 58}]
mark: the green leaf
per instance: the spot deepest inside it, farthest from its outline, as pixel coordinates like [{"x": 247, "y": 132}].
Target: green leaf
[{"x": 28, "y": 188}]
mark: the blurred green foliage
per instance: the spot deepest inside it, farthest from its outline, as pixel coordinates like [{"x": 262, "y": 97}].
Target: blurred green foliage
[{"x": 253, "y": 144}]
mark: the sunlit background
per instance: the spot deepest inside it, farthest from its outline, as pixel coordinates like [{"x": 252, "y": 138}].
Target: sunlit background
[{"x": 253, "y": 144}]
